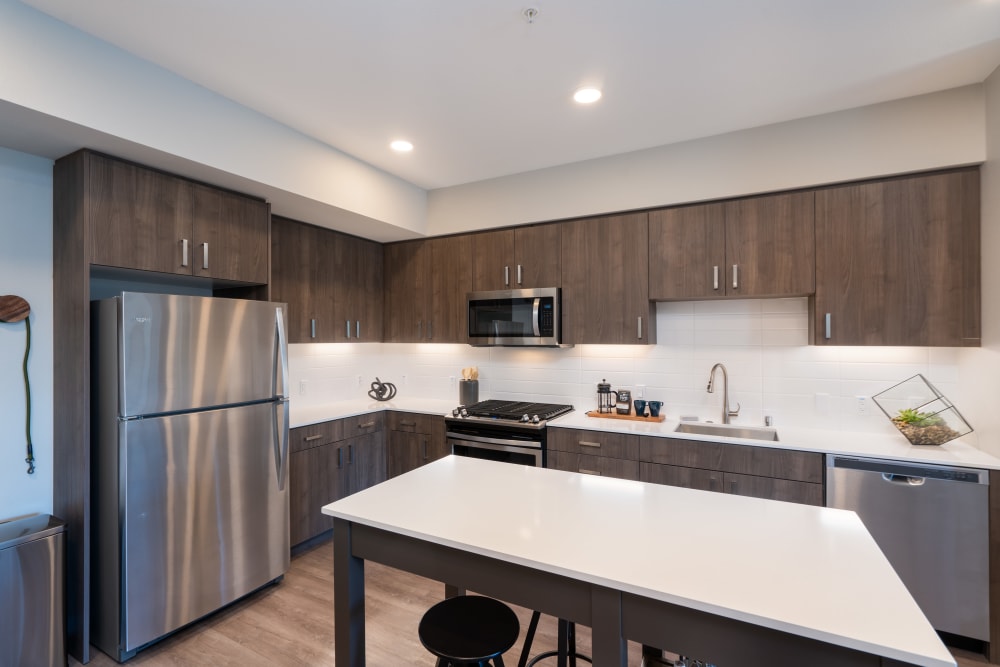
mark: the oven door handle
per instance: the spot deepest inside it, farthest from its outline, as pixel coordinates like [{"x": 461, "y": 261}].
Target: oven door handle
[{"x": 526, "y": 444}]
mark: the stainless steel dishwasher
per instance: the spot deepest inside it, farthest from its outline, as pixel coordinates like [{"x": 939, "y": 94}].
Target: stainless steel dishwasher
[{"x": 932, "y": 523}]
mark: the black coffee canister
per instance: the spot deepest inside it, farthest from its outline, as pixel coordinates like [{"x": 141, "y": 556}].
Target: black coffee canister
[{"x": 468, "y": 392}]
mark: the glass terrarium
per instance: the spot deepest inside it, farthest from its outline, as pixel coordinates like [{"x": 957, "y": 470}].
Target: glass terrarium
[{"x": 922, "y": 414}]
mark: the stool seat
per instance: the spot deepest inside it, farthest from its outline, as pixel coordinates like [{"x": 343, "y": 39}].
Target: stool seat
[{"x": 469, "y": 629}]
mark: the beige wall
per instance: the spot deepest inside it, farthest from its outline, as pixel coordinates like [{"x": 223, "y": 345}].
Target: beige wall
[
  {"x": 936, "y": 130},
  {"x": 979, "y": 369}
]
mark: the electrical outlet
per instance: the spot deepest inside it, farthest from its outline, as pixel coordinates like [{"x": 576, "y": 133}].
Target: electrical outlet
[
  {"x": 403, "y": 381},
  {"x": 303, "y": 387},
  {"x": 359, "y": 381},
  {"x": 640, "y": 391},
  {"x": 451, "y": 381},
  {"x": 862, "y": 404}
]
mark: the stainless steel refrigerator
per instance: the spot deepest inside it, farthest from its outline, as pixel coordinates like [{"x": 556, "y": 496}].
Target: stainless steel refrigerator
[{"x": 190, "y": 474}]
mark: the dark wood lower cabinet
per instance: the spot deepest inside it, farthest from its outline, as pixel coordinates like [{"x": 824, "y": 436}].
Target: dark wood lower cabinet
[
  {"x": 590, "y": 464},
  {"x": 688, "y": 478},
  {"x": 413, "y": 440},
  {"x": 321, "y": 471},
  {"x": 805, "y": 493}
]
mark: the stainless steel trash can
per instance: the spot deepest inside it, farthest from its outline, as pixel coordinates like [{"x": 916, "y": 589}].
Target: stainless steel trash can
[{"x": 32, "y": 589}]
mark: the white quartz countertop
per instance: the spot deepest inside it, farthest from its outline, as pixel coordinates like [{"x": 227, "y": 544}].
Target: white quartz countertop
[
  {"x": 874, "y": 445},
  {"x": 314, "y": 414},
  {"x": 811, "y": 571}
]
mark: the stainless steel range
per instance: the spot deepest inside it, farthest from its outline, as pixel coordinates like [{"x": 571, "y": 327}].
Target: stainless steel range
[{"x": 510, "y": 431}]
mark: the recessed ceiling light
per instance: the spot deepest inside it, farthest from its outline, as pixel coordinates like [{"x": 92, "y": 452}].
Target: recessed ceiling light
[
  {"x": 587, "y": 95},
  {"x": 401, "y": 146}
]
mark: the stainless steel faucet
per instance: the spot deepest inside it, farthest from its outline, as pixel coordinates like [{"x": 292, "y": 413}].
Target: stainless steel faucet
[{"x": 726, "y": 412}]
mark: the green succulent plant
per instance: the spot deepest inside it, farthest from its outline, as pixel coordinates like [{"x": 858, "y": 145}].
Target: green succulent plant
[{"x": 916, "y": 418}]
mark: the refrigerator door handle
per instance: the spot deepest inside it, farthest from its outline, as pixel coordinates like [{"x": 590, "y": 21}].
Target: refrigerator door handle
[
  {"x": 281, "y": 441},
  {"x": 280, "y": 384}
]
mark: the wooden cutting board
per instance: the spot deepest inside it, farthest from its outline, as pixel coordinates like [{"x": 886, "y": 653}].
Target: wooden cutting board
[{"x": 630, "y": 416}]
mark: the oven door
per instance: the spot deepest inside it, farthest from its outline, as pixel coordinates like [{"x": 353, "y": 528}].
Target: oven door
[{"x": 496, "y": 449}]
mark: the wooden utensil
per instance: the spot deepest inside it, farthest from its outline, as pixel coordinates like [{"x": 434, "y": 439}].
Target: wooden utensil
[{"x": 16, "y": 309}]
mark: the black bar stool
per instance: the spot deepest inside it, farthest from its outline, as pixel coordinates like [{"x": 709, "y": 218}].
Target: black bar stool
[
  {"x": 469, "y": 630},
  {"x": 565, "y": 645}
]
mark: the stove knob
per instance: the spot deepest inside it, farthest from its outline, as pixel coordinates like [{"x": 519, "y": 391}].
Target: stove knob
[
  {"x": 525, "y": 419},
  {"x": 535, "y": 419},
  {"x": 455, "y": 412},
  {"x": 465, "y": 413}
]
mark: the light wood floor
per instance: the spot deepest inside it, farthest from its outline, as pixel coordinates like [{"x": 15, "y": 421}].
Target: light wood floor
[{"x": 292, "y": 624}]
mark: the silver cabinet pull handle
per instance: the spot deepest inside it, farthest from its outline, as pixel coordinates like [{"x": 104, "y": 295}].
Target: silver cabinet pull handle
[
  {"x": 407, "y": 423},
  {"x": 366, "y": 425},
  {"x": 312, "y": 328},
  {"x": 311, "y": 438},
  {"x": 589, "y": 444},
  {"x": 425, "y": 449},
  {"x": 184, "y": 252},
  {"x": 640, "y": 327},
  {"x": 715, "y": 277},
  {"x": 350, "y": 454},
  {"x": 357, "y": 329},
  {"x": 348, "y": 328},
  {"x": 430, "y": 330},
  {"x": 204, "y": 255},
  {"x": 520, "y": 275},
  {"x": 506, "y": 276},
  {"x": 420, "y": 329},
  {"x": 827, "y": 318},
  {"x": 340, "y": 457},
  {"x": 590, "y": 472},
  {"x": 736, "y": 276}
]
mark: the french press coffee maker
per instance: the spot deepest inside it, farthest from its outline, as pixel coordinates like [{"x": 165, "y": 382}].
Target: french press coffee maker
[{"x": 607, "y": 400}]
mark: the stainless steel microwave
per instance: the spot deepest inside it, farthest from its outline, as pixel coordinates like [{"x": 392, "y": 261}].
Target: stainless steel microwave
[{"x": 516, "y": 318}]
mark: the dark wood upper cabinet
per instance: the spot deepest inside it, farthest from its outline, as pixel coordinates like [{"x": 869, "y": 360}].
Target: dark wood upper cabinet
[
  {"x": 425, "y": 286},
  {"x": 148, "y": 220},
  {"x": 230, "y": 235},
  {"x": 753, "y": 247},
  {"x": 407, "y": 283},
  {"x": 605, "y": 281},
  {"x": 331, "y": 282},
  {"x": 520, "y": 258},
  {"x": 687, "y": 252},
  {"x": 897, "y": 262}
]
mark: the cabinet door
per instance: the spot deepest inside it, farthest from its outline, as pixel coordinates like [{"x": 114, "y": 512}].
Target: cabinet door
[
  {"x": 688, "y": 478},
  {"x": 366, "y": 290},
  {"x": 405, "y": 451},
  {"x": 231, "y": 235},
  {"x": 451, "y": 269},
  {"x": 493, "y": 260},
  {"x": 774, "y": 489},
  {"x": 290, "y": 275},
  {"x": 897, "y": 262},
  {"x": 687, "y": 256},
  {"x": 605, "y": 280},
  {"x": 138, "y": 217},
  {"x": 537, "y": 257},
  {"x": 407, "y": 285},
  {"x": 316, "y": 477},
  {"x": 365, "y": 461},
  {"x": 589, "y": 464},
  {"x": 770, "y": 246}
]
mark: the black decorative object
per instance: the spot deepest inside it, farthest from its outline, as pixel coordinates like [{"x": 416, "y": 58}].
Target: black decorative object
[{"x": 382, "y": 391}]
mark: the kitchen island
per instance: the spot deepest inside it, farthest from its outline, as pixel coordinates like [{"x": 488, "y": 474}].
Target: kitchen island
[{"x": 735, "y": 580}]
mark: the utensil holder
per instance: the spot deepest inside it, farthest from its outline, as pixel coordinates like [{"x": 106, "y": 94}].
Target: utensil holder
[
  {"x": 468, "y": 392},
  {"x": 921, "y": 413}
]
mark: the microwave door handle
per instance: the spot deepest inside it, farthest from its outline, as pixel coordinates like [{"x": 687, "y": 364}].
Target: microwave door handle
[{"x": 535, "y": 310}]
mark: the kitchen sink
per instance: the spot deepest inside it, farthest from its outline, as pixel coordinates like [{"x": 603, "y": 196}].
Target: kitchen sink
[{"x": 728, "y": 430}]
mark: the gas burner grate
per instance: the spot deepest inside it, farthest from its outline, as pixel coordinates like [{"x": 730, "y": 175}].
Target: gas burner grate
[{"x": 514, "y": 410}]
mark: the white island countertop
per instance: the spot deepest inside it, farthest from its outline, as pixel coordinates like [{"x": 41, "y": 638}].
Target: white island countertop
[
  {"x": 810, "y": 571},
  {"x": 874, "y": 445}
]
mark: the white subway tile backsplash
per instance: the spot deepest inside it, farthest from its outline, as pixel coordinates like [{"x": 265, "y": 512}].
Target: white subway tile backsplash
[{"x": 762, "y": 342}]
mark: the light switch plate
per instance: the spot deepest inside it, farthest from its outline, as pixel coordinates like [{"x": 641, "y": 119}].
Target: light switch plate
[{"x": 303, "y": 387}]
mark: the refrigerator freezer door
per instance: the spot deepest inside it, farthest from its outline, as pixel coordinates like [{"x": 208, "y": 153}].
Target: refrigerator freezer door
[
  {"x": 205, "y": 516},
  {"x": 182, "y": 353}
]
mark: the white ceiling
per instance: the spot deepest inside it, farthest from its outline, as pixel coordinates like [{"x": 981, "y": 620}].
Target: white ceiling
[{"x": 482, "y": 93}]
